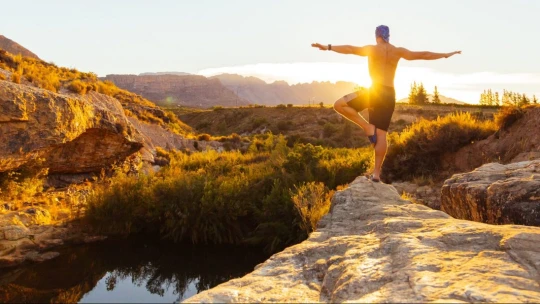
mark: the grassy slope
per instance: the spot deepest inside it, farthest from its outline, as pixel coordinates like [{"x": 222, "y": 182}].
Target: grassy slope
[{"x": 310, "y": 124}]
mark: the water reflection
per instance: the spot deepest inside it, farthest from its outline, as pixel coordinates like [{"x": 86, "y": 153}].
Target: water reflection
[{"x": 127, "y": 271}]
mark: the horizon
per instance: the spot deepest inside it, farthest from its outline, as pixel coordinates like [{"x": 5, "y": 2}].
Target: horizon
[{"x": 242, "y": 37}]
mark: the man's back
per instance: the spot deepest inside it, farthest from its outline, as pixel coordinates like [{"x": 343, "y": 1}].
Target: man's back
[{"x": 382, "y": 61}]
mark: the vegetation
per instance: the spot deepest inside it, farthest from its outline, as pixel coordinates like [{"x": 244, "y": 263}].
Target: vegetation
[
  {"x": 229, "y": 197},
  {"x": 418, "y": 94},
  {"x": 508, "y": 98},
  {"x": 417, "y": 150}
]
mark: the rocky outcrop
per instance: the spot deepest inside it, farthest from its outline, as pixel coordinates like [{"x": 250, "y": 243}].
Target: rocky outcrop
[
  {"x": 258, "y": 91},
  {"x": 15, "y": 48},
  {"x": 171, "y": 90},
  {"x": 495, "y": 194},
  {"x": 516, "y": 143},
  {"x": 73, "y": 134},
  {"x": 374, "y": 246}
]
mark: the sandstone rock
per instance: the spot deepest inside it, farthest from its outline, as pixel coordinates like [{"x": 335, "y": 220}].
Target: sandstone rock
[
  {"x": 375, "y": 247},
  {"x": 90, "y": 131},
  {"x": 15, "y": 48},
  {"x": 496, "y": 194},
  {"x": 13, "y": 232}
]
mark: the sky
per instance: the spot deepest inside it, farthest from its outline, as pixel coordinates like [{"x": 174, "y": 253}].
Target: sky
[{"x": 271, "y": 39}]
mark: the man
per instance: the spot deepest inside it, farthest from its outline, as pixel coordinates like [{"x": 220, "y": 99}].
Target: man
[{"x": 380, "y": 99}]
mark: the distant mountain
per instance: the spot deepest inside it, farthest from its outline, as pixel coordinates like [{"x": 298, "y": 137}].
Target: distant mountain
[
  {"x": 280, "y": 92},
  {"x": 15, "y": 48},
  {"x": 184, "y": 90},
  {"x": 443, "y": 99},
  {"x": 164, "y": 73}
]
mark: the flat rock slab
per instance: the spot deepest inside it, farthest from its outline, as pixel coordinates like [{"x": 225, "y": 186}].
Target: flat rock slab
[
  {"x": 376, "y": 247},
  {"x": 495, "y": 194}
]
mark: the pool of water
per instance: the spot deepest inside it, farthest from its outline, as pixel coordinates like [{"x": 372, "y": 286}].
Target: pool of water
[{"x": 127, "y": 271}]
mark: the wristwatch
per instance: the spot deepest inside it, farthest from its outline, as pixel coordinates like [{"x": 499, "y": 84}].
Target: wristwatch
[{"x": 329, "y": 47}]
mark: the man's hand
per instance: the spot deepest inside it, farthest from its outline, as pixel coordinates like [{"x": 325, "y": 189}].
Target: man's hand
[
  {"x": 452, "y": 54},
  {"x": 320, "y": 46}
]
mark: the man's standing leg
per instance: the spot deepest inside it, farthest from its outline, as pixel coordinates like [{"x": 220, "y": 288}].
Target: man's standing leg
[{"x": 380, "y": 152}]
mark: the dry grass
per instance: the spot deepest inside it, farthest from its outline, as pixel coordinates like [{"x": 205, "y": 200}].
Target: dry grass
[{"x": 416, "y": 152}]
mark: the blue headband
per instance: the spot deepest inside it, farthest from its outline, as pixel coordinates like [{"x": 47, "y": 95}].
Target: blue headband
[{"x": 384, "y": 32}]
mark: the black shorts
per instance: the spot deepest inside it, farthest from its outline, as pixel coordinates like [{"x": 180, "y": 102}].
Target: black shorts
[{"x": 380, "y": 100}]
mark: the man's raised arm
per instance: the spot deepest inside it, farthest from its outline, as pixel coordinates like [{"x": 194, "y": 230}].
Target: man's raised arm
[
  {"x": 410, "y": 55},
  {"x": 344, "y": 49}
]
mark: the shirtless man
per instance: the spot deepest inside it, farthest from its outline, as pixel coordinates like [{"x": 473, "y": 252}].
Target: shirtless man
[{"x": 380, "y": 99}]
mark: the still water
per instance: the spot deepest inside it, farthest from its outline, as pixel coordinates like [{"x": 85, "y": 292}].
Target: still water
[{"x": 127, "y": 271}]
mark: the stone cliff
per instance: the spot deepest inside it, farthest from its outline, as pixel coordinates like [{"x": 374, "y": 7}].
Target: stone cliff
[
  {"x": 172, "y": 90},
  {"x": 374, "y": 246}
]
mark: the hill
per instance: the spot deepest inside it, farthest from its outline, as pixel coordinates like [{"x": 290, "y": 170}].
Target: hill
[
  {"x": 258, "y": 91},
  {"x": 183, "y": 90},
  {"x": 164, "y": 73},
  {"x": 444, "y": 100},
  {"x": 15, "y": 48}
]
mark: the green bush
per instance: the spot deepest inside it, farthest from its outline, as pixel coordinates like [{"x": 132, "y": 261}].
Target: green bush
[
  {"x": 285, "y": 125},
  {"x": 329, "y": 129},
  {"x": 228, "y": 197}
]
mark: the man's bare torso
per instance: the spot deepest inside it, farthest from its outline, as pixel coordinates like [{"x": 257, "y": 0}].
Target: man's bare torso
[{"x": 382, "y": 62}]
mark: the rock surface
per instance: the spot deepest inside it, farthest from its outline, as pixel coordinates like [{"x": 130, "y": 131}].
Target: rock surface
[
  {"x": 495, "y": 194},
  {"x": 375, "y": 247},
  {"x": 170, "y": 90},
  {"x": 90, "y": 131}
]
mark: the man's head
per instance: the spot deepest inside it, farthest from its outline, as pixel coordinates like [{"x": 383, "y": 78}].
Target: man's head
[{"x": 382, "y": 32}]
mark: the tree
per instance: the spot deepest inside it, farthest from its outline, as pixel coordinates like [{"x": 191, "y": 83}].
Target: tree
[
  {"x": 436, "y": 98},
  {"x": 412, "y": 93},
  {"x": 321, "y": 104},
  {"x": 418, "y": 94},
  {"x": 497, "y": 100},
  {"x": 421, "y": 95},
  {"x": 534, "y": 100}
]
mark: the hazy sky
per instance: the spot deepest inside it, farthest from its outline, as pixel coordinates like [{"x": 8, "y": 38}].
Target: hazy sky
[{"x": 271, "y": 39}]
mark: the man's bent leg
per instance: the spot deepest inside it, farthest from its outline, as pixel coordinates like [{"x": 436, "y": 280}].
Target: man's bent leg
[
  {"x": 351, "y": 114},
  {"x": 380, "y": 152}
]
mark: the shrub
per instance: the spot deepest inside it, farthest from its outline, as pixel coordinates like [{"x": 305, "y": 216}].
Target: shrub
[
  {"x": 289, "y": 105},
  {"x": 217, "y": 108},
  {"x": 417, "y": 150},
  {"x": 258, "y": 121},
  {"x": 312, "y": 201},
  {"x": 204, "y": 137},
  {"x": 228, "y": 197},
  {"x": 507, "y": 116},
  {"x": 16, "y": 77},
  {"x": 77, "y": 86},
  {"x": 329, "y": 129},
  {"x": 284, "y": 125},
  {"x": 2, "y": 76},
  {"x": 281, "y": 106}
]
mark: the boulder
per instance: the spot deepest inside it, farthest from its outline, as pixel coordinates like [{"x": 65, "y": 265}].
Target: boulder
[
  {"x": 71, "y": 133},
  {"x": 495, "y": 194},
  {"x": 13, "y": 232},
  {"x": 374, "y": 246}
]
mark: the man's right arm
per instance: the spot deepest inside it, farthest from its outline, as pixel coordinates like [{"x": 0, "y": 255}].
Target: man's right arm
[{"x": 410, "y": 55}]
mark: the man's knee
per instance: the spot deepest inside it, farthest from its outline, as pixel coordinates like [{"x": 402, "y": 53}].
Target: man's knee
[{"x": 339, "y": 104}]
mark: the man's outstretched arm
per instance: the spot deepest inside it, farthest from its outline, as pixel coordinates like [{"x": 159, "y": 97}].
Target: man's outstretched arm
[
  {"x": 410, "y": 55},
  {"x": 345, "y": 49}
]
